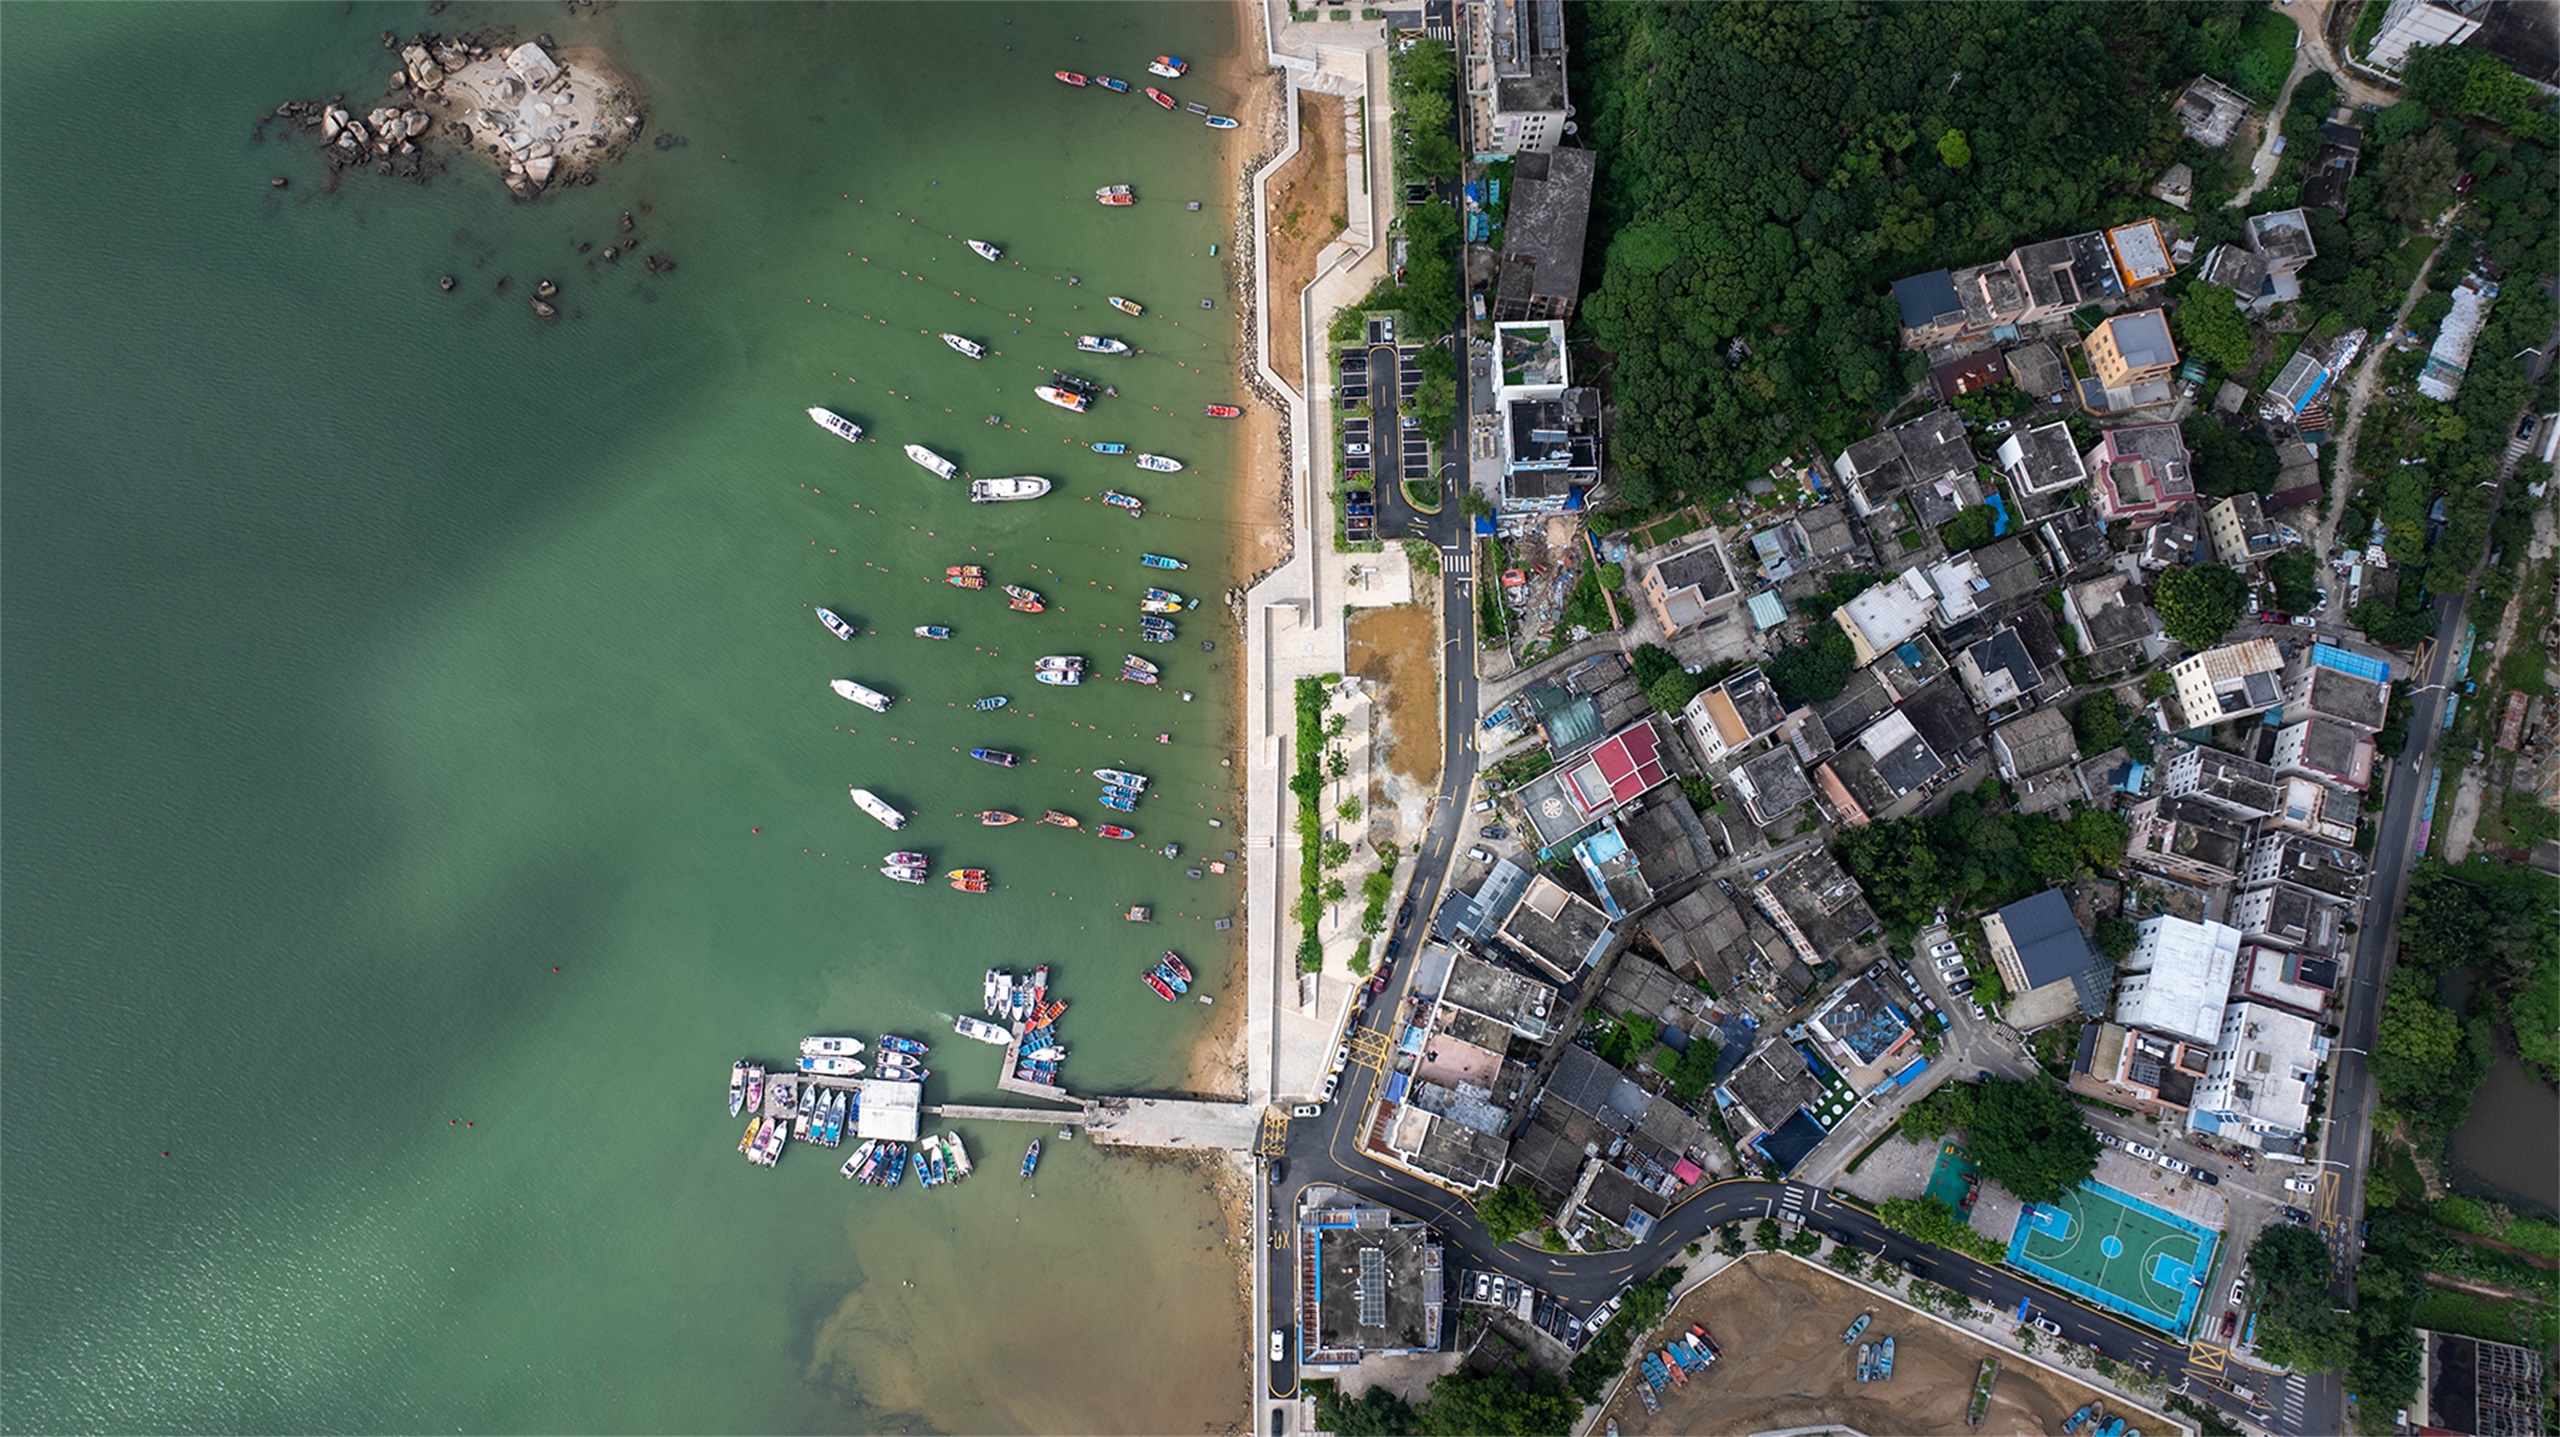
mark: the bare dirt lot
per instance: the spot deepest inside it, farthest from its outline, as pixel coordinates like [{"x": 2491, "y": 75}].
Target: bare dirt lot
[
  {"x": 1398, "y": 649},
  {"x": 1784, "y": 1365},
  {"x": 1306, "y": 209}
]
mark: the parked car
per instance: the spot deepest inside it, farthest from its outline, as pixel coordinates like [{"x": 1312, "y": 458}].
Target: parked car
[
  {"x": 2209, "y": 1177},
  {"x": 1331, "y": 1082},
  {"x": 2139, "y": 1151},
  {"x": 2305, "y": 621},
  {"x": 1609, "y": 1309},
  {"x": 1404, "y": 915},
  {"x": 1377, "y": 984},
  {"x": 2045, "y": 1325},
  {"x": 2230, "y": 1322},
  {"x": 2239, "y": 1288},
  {"x": 1479, "y": 855},
  {"x": 1998, "y": 426},
  {"x": 2110, "y": 1140},
  {"x": 1306, "y": 1110},
  {"x": 1484, "y": 1287},
  {"x": 1942, "y": 950},
  {"x": 1981, "y": 1013},
  {"x": 1279, "y": 1344},
  {"x": 1494, "y": 831},
  {"x": 1482, "y": 806},
  {"x": 2296, "y": 1216},
  {"x": 2301, "y": 1185},
  {"x": 1341, "y": 1056},
  {"x": 2174, "y": 1165},
  {"x": 1960, "y": 986}
]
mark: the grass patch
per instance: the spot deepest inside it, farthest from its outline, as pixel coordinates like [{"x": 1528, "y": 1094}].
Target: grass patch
[
  {"x": 1307, "y": 783},
  {"x": 2493, "y": 1319}
]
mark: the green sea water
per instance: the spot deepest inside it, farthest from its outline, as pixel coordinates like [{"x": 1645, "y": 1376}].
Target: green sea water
[{"x": 420, "y": 775}]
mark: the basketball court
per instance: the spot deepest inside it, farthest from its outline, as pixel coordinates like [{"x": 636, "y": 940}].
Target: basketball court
[{"x": 2118, "y": 1252}]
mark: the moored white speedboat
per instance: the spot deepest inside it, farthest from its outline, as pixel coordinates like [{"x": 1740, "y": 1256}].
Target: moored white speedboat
[
  {"x": 835, "y": 624},
  {"x": 831, "y": 1067},
  {"x": 982, "y": 1030},
  {"x": 871, "y": 699},
  {"x": 986, "y": 251},
  {"x": 942, "y": 468},
  {"x": 1159, "y": 463},
  {"x": 1101, "y": 344},
  {"x": 836, "y": 424},
  {"x": 1063, "y": 398},
  {"x": 822, "y": 1047},
  {"x": 1168, "y": 66},
  {"x": 969, "y": 347},
  {"x": 871, "y": 803},
  {"x": 1001, "y": 491}
]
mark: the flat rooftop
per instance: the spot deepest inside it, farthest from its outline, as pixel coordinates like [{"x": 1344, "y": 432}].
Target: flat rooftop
[{"x": 1378, "y": 1286}]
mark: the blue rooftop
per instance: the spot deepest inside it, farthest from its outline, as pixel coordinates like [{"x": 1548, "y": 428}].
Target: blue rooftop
[{"x": 2330, "y": 656}]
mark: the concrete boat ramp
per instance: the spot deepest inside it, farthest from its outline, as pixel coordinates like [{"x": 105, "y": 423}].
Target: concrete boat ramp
[{"x": 1135, "y": 1122}]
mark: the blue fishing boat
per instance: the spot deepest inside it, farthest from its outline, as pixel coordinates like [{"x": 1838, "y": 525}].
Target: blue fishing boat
[
  {"x": 1031, "y": 1159},
  {"x": 1884, "y": 1360},
  {"x": 892, "y": 1043},
  {"x": 1159, "y": 561},
  {"x": 1119, "y": 803},
  {"x": 932, "y": 631},
  {"x": 1173, "y": 980},
  {"x": 989, "y": 704},
  {"x": 1117, "y": 87},
  {"x": 1106, "y": 448},
  {"x": 995, "y": 756},
  {"x": 1221, "y": 122}
]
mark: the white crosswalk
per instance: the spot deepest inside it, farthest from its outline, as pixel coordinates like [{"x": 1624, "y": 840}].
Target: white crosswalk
[{"x": 1456, "y": 561}]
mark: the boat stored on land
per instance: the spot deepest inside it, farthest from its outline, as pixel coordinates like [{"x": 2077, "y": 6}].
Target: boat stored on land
[
  {"x": 941, "y": 468},
  {"x": 982, "y": 1030},
  {"x": 932, "y": 631},
  {"x": 969, "y": 347},
  {"x": 869, "y": 698},
  {"x": 995, "y": 756},
  {"x": 836, "y": 625},
  {"x": 1159, "y": 463},
  {"x": 1221, "y": 122},
  {"x": 986, "y": 251},
  {"x": 1006, "y": 491},
  {"x": 871, "y": 803},
  {"x": 1127, "y": 306},
  {"x": 1856, "y": 1327},
  {"x": 1064, "y": 398},
  {"x": 1103, "y": 344},
  {"x": 836, "y": 424},
  {"x": 1159, "y": 561}
]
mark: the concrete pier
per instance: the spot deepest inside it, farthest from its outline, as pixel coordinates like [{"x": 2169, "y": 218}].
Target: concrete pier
[
  {"x": 1173, "y": 1123},
  {"x": 1061, "y": 1117}
]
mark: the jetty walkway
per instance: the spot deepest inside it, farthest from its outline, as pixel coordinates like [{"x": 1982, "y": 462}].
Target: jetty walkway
[{"x": 1135, "y": 1122}]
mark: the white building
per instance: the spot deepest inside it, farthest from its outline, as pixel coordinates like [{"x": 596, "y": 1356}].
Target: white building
[
  {"x": 2229, "y": 682},
  {"x": 1518, "y": 74},
  {"x": 2177, "y": 980},
  {"x": 1550, "y": 433},
  {"x": 2409, "y": 24},
  {"x": 1888, "y": 615},
  {"x": 2257, "y": 1090}
]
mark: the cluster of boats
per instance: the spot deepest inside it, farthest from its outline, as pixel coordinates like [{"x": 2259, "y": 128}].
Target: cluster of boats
[
  {"x": 1136, "y": 670},
  {"x": 1691, "y": 1352},
  {"x": 1071, "y": 391},
  {"x": 1168, "y": 67},
  {"x": 1062, "y": 670},
  {"x": 937, "y": 1159},
  {"x": 2093, "y": 1419},
  {"x": 1025, "y": 1002},
  {"x": 1875, "y": 1361},
  {"x": 1169, "y": 977},
  {"x": 910, "y": 867},
  {"x": 1121, "y": 790},
  {"x": 1164, "y": 601}
]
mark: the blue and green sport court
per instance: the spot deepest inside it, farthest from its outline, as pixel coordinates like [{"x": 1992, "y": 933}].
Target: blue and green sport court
[{"x": 2118, "y": 1252}]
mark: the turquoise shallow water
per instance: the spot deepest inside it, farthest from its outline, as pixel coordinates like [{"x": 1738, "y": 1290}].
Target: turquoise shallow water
[{"x": 373, "y": 652}]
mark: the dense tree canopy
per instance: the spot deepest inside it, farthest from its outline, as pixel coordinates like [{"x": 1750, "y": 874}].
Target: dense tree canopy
[
  {"x": 1971, "y": 857},
  {"x": 1525, "y": 1402},
  {"x": 1509, "y": 1211},
  {"x": 2028, "y": 1137},
  {"x": 2426, "y": 1061},
  {"x": 2289, "y": 1282},
  {"x": 2199, "y": 604},
  {"x": 2229, "y": 461},
  {"x": 2211, "y": 327},
  {"x": 1770, "y": 166}
]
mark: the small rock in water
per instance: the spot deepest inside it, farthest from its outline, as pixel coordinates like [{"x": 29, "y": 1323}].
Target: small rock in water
[
  {"x": 445, "y": 284},
  {"x": 279, "y": 182}
]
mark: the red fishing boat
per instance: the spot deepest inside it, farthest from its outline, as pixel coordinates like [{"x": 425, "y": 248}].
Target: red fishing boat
[
  {"x": 997, "y": 818},
  {"x": 1161, "y": 98},
  {"x": 1070, "y": 77},
  {"x": 1163, "y": 989},
  {"x": 966, "y": 576},
  {"x": 1113, "y": 830},
  {"x": 1222, "y": 411},
  {"x": 1173, "y": 962}
]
